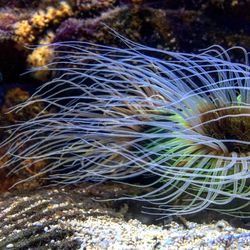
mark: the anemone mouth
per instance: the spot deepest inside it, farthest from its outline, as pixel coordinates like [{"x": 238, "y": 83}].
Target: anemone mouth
[{"x": 230, "y": 125}]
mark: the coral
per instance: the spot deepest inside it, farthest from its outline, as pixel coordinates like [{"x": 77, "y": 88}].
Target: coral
[
  {"x": 19, "y": 27},
  {"x": 7, "y": 19},
  {"x": 14, "y": 97},
  {"x": 8, "y": 176},
  {"x": 182, "y": 119},
  {"x": 158, "y": 32},
  {"x": 23, "y": 30},
  {"x": 88, "y": 6},
  {"x": 12, "y": 61},
  {"x": 26, "y": 31},
  {"x": 174, "y": 25},
  {"x": 41, "y": 57}
]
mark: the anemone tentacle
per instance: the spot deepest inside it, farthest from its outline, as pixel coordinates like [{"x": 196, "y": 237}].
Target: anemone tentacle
[{"x": 122, "y": 113}]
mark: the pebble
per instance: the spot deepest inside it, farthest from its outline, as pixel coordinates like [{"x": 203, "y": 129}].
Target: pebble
[
  {"x": 10, "y": 246},
  {"x": 109, "y": 233},
  {"x": 96, "y": 227}
]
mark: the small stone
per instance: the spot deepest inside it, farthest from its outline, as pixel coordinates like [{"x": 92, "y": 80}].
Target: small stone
[
  {"x": 10, "y": 246},
  {"x": 169, "y": 242},
  {"x": 221, "y": 224}
]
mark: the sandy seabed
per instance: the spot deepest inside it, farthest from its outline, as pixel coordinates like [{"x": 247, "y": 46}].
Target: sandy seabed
[{"x": 69, "y": 218}]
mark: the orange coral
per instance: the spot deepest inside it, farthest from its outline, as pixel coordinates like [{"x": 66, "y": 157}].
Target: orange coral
[
  {"x": 41, "y": 56},
  {"x": 26, "y": 31},
  {"x": 38, "y": 27}
]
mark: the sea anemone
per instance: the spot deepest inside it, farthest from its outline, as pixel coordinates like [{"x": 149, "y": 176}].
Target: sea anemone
[{"x": 183, "y": 120}]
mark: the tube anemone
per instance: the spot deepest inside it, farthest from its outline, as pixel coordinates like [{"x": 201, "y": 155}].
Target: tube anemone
[{"x": 121, "y": 113}]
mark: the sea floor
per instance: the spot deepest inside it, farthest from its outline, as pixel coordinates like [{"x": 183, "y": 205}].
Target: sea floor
[{"x": 69, "y": 218}]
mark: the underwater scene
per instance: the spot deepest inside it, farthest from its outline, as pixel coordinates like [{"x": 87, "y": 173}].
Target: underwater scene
[{"x": 124, "y": 124}]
